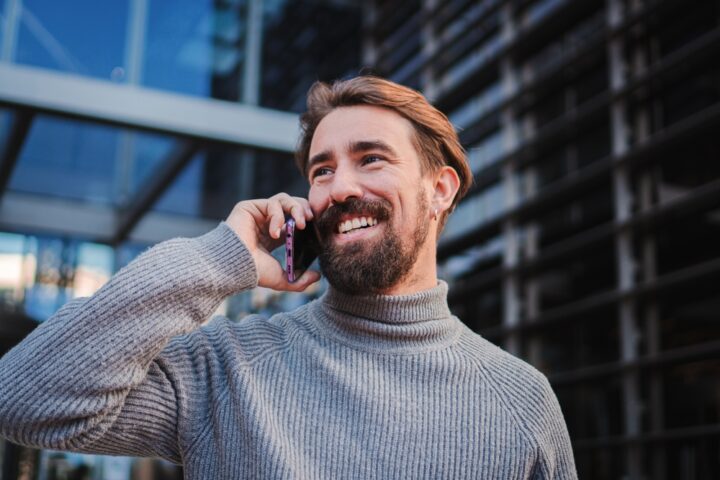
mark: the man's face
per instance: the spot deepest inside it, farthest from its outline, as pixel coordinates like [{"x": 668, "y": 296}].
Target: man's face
[{"x": 370, "y": 200}]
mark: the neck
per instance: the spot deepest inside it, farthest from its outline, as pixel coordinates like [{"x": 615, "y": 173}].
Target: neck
[{"x": 384, "y": 323}]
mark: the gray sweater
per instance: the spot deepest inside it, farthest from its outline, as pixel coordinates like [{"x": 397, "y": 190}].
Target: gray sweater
[{"x": 344, "y": 387}]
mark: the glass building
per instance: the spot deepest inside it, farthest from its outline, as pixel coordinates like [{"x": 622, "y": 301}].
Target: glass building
[{"x": 588, "y": 244}]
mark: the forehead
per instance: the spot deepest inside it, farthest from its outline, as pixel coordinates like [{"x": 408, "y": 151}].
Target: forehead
[{"x": 347, "y": 125}]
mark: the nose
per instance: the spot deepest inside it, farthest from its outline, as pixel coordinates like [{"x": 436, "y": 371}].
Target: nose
[{"x": 344, "y": 186}]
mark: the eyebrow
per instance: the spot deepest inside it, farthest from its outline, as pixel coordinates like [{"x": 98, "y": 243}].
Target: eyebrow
[{"x": 354, "y": 147}]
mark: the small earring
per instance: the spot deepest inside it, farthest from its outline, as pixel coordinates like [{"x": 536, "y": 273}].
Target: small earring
[{"x": 435, "y": 213}]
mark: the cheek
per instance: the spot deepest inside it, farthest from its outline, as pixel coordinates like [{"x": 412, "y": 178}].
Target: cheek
[{"x": 318, "y": 200}]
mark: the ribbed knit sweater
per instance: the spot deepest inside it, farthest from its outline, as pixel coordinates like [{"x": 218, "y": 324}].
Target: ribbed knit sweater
[{"x": 387, "y": 387}]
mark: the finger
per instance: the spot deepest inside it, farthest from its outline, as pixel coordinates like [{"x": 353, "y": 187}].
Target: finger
[
  {"x": 306, "y": 207},
  {"x": 293, "y": 206},
  {"x": 305, "y": 204},
  {"x": 306, "y": 279},
  {"x": 276, "y": 216}
]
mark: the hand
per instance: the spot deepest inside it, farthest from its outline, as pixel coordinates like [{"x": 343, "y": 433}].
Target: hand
[{"x": 259, "y": 224}]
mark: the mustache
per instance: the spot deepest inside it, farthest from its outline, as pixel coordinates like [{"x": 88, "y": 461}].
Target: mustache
[{"x": 328, "y": 221}]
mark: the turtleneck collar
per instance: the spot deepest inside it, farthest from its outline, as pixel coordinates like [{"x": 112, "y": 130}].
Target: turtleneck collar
[{"x": 389, "y": 323}]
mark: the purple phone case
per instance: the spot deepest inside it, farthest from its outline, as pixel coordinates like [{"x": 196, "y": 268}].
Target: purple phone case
[{"x": 289, "y": 243}]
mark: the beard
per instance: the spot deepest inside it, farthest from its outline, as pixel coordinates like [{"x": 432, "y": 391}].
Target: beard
[{"x": 363, "y": 267}]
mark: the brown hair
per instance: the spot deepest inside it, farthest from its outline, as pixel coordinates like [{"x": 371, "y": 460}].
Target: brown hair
[{"x": 435, "y": 138}]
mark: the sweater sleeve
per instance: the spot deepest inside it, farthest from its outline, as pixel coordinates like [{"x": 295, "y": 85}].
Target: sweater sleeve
[
  {"x": 92, "y": 378},
  {"x": 556, "y": 460}
]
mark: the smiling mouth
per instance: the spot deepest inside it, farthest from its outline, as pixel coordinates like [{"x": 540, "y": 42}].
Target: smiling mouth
[{"x": 357, "y": 223}]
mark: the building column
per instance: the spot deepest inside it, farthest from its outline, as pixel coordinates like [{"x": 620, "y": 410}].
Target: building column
[
  {"x": 512, "y": 299},
  {"x": 625, "y": 261}
]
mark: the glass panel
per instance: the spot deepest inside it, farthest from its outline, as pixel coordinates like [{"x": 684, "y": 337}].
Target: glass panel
[
  {"x": 84, "y": 161},
  {"x": 195, "y": 47},
  {"x": 88, "y": 39},
  {"x": 15, "y": 268},
  {"x": 6, "y": 117},
  {"x": 185, "y": 194},
  {"x": 94, "y": 267},
  {"x": 53, "y": 276}
]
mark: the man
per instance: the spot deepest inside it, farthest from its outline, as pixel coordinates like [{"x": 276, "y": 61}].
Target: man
[{"x": 374, "y": 380}]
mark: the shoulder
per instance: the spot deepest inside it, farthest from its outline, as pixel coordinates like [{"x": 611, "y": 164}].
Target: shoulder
[
  {"x": 519, "y": 387},
  {"x": 247, "y": 340}
]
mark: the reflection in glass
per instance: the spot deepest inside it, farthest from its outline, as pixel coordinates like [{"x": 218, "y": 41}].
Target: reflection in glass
[
  {"x": 87, "y": 40},
  {"x": 39, "y": 274},
  {"x": 84, "y": 161},
  {"x": 185, "y": 194},
  {"x": 16, "y": 271},
  {"x": 67, "y": 159},
  {"x": 195, "y": 47}
]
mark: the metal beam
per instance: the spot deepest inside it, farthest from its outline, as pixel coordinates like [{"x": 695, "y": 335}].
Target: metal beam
[
  {"x": 9, "y": 155},
  {"x": 35, "y": 214},
  {"x": 145, "y": 109},
  {"x": 159, "y": 181}
]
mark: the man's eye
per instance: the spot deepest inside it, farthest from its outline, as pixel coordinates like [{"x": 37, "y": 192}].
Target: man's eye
[
  {"x": 371, "y": 159},
  {"x": 320, "y": 171}
]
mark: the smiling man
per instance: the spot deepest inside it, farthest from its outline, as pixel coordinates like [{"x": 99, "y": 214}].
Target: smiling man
[{"x": 376, "y": 379}]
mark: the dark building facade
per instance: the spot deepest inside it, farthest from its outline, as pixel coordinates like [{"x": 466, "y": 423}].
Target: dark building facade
[{"x": 590, "y": 243}]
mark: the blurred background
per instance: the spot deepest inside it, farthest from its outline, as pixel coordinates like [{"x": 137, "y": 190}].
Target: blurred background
[{"x": 589, "y": 244}]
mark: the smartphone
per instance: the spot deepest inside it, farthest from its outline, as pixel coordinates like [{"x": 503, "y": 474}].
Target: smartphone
[{"x": 301, "y": 249}]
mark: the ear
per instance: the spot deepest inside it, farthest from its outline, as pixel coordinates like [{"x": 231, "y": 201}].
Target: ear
[{"x": 446, "y": 185}]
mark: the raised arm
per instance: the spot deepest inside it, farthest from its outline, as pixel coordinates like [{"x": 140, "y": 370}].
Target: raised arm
[{"x": 93, "y": 378}]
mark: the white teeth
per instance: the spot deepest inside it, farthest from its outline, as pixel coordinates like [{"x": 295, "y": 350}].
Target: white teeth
[{"x": 348, "y": 225}]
